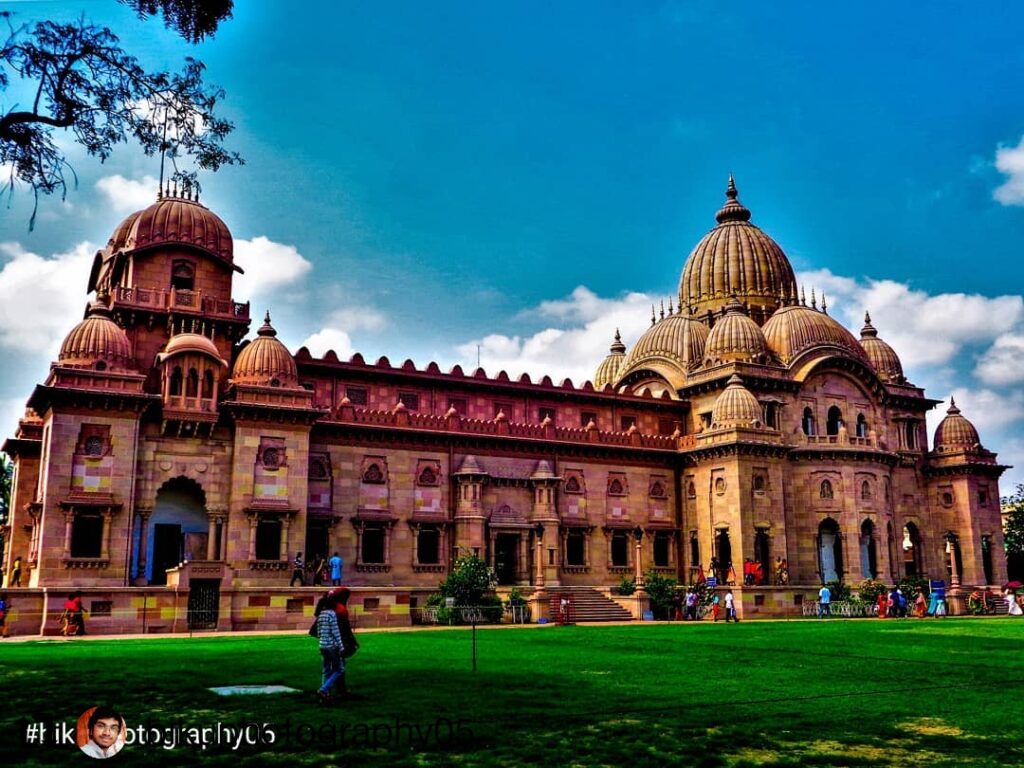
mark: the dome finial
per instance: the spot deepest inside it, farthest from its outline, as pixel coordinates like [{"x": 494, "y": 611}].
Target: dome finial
[
  {"x": 952, "y": 406},
  {"x": 868, "y": 331},
  {"x": 662, "y": 309},
  {"x": 867, "y": 317},
  {"x": 618, "y": 348},
  {"x": 653, "y": 319},
  {"x": 814, "y": 301},
  {"x": 733, "y": 210},
  {"x": 824, "y": 305},
  {"x": 803, "y": 297},
  {"x": 670, "y": 305},
  {"x": 266, "y": 329}
]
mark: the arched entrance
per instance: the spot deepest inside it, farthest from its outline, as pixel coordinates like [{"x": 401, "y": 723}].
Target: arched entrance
[
  {"x": 868, "y": 551},
  {"x": 178, "y": 528},
  {"x": 762, "y": 554},
  {"x": 723, "y": 548},
  {"x": 911, "y": 550},
  {"x": 830, "y": 551}
]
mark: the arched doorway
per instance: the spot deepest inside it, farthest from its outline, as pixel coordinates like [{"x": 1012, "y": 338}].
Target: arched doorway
[
  {"x": 835, "y": 421},
  {"x": 762, "y": 554},
  {"x": 178, "y": 528},
  {"x": 868, "y": 551},
  {"x": 830, "y": 551},
  {"x": 911, "y": 550},
  {"x": 723, "y": 548}
]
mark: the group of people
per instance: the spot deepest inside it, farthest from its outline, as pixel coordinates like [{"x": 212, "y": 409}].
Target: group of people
[
  {"x": 684, "y": 606},
  {"x": 333, "y": 629},
  {"x": 317, "y": 571}
]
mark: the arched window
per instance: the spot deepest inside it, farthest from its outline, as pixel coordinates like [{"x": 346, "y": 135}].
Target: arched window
[
  {"x": 691, "y": 491},
  {"x": 830, "y": 551},
  {"x": 835, "y": 420},
  {"x": 192, "y": 385},
  {"x": 911, "y": 550},
  {"x": 657, "y": 490},
  {"x": 176, "y": 381},
  {"x": 862, "y": 426},
  {"x": 572, "y": 485},
  {"x": 208, "y": 384},
  {"x": 865, "y": 490},
  {"x": 615, "y": 488},
  {"x": 771, "y": 411},
  {"x": 428, "y": 476},
  {"x": 808, "y": 422},
  {"x": 694, "y": 550},
  {"x": 910, "y": 430},
  {"x": 759, "y": 483},
  {"x": 373, "y": 475},
  {"x": 826, "y": 491},
  {"x": 868, "y": 551}
]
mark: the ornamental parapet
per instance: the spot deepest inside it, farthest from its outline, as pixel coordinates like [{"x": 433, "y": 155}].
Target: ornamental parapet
[
  {"x": 412, "y": 420},
  {"x": 176, "y": 300}
]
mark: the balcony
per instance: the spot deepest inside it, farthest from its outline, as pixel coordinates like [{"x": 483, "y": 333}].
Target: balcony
[{"x": 175, "y": 300}]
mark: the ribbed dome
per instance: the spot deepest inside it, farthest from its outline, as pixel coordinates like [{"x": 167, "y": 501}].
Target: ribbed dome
[
  {"x": 735, "y": 259},
  {"x": 793, "y": 330},
  {"x": 120, "y": 236},
  {"x": 176, "y": 221},
  {"x": 882, "y": 357},
  {"x": 736, "y": 407},
  {"x": 266, "y": 361},
  {"x": 736, "y": 337},
  {"x": 191, "y": 342},
  {"x": 608, "y": 370},
  {"x": 677, "y": 338},
  {"x": 955, "y": 433},
  {"x": 97, "y": 339}
]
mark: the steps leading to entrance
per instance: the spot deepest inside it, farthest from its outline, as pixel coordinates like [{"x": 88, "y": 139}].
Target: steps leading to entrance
[{"x": 590, "y": 605}]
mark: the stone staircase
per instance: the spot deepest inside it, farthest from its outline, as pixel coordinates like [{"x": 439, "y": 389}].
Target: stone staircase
[{"x": 588, "y": 605}]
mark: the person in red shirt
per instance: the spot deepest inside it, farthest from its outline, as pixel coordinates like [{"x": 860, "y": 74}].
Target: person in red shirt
[{"x": 75, "y": 612}]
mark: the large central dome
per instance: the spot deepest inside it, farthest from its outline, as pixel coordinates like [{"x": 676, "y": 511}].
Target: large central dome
[{"x": 736, "y": 259}]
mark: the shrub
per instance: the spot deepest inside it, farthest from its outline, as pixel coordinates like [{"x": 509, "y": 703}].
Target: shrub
[
  {"x": 627, "y": 586},
  {"x": 869, "y": 590},
  {"x": 660, "y": 589},
  {"x": 469, "y": 582},
  {"x": 515, "y": 598},
  {"x": 912, "y": 586},
  {"x": 840, "y": 591}
]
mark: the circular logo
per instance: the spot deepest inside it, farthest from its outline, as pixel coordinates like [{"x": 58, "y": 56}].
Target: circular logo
[{"x": 101, "y": 732}]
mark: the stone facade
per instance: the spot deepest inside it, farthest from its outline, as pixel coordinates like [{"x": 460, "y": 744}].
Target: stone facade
[{"x": 164, "y": 460}]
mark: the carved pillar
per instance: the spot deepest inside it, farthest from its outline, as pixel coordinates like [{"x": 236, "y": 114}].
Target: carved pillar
[
  {"x": 539, "y": 557},
  {"x": 254, "y": 521},
  {"x": 69, "y": 522},
  {"x": 286, "y": 522},
  {"x": 142, "y": 515},
  {"x": 359, "y": 541},
  {"x": 108, "y": 515},
  {"x": 521, "y": 571},
  {"x": 387, "y": 543},
  {"x": 638, "y": 569},
  {"x": 211, "y": 536}
]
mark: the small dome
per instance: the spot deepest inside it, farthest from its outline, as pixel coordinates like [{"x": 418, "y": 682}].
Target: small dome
[
  {"x": 676, "y": 339},
  {"x": 735, "y": 259},
  {"x": 882, "y": 357},
  {"x": 795, "y": 329},
  {"x": 191, "y": 342},
  {"x": 736, "y": 407},
  {"x": 735, "y": 338},
  {"x": 470, "y": 466},
  {"x": 173, "y": 220},
  {"x": 543, "y": 471},
  {"x": 609, "y": 367},
  {"x": 96, "y": 342},
  {"x": 266, "y": 361},
  {"x": 955, "y": 433}
]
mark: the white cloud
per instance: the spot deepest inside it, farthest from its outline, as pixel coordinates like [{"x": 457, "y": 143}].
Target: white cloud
[
  {"x": 989, "y": 411},
  {"x": 924, "y": 329},
  {"x": 357, "y": 318},
  {"x": 41, "y": 298},
  {"x": 268, "y": 266},
  {"x": 329, "y": 338},
  {"x": 127, "y": 195},
  {"x": 1003, "y": 363},
  {"x": 574, "y": 351},
  {"x": 1010, "y": 161}
]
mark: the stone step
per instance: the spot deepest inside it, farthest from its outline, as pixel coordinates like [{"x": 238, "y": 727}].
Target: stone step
[{"x": 590, "y": 605}]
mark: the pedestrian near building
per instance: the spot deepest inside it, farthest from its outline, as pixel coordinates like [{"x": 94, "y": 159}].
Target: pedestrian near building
[
  {"x": 298, "y": 571},
  {"x": 824, "y": 602},
  {"x": 730, "y": 607},
  {"x": 336, "y": 563}
]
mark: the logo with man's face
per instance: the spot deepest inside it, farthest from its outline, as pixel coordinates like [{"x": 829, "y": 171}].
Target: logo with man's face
[{"x": 101, "y": 732}]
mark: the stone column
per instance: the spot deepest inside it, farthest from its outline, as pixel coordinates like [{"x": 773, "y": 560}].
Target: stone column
[
  {"x": 254, "y": 520},
  {"x": 108, "y": 515},
  {"x": 140, "y": 562},
  {"x": 638, "y": 570},
  {"x": 69, "y": 521},
  {"x": 286, "y": 522},
  {"x": 539, "y": 564}
]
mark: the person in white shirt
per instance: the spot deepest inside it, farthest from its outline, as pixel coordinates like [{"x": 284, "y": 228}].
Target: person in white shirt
[
  {"x": 824, "y": 602},
  {"x": 106, "y": 734},
  {"x": 730, "y": 607}
]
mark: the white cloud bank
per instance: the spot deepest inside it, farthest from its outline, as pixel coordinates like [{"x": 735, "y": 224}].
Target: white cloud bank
[
  {"x": 1010, "y": 161},
  {"x": 268, "y": 266},
  {"x": 41, "y": 297},
  {"x": 126, "y": 195}
]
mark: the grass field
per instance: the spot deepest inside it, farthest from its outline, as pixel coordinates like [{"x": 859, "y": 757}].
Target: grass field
[{"x": 899, "y": 693}]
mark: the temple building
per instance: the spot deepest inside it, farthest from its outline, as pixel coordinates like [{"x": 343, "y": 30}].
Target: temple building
[{"x": 171, "y": 468}]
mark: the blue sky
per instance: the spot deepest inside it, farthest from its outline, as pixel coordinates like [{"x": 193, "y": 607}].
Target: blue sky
[{"x": 422, "y": 178}]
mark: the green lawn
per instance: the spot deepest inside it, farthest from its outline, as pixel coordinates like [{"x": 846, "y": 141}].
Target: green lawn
[{"x": 900, "y": 693}]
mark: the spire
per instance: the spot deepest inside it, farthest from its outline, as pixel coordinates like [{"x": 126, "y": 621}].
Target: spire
[
  {"x": 662, "y": 309},
  {"x": 814, "y": 301},
  {"x": 653, "y": 320},
  {"x": 733, "y": 210},
  {"x": 868, "y": 331},
  {"x": 618, "y": 348},
  {"x": 803, "y": 297},
  {"x": 953, "y": 410},
  {"x": 670, "y": 305},
  {"x": 266, "y": 329},
  {"x": 824, "y": 306}
]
